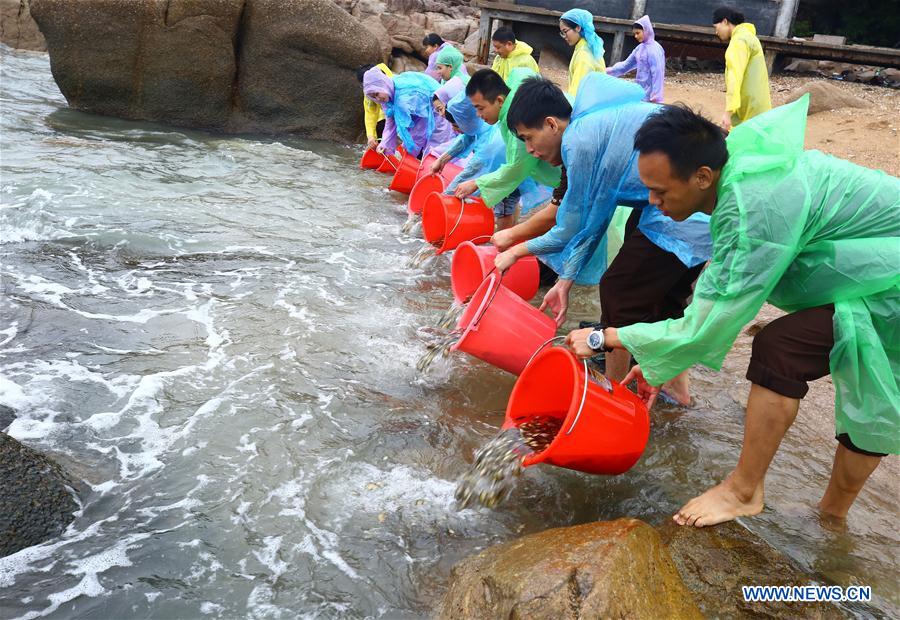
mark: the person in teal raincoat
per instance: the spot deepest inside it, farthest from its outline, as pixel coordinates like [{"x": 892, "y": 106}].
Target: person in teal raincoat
[{"x": 816, "y": 236}]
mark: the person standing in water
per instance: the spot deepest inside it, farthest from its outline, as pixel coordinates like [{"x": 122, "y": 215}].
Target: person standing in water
[
  {"x": 576, "y": 26},
  {"x": 746, "y": 76},
  {"x": 647, "y": 60},
  {"x": 511, "y": 54},
  {"x": 814, "y": 235},
  {"x": 373, "y": 115}
]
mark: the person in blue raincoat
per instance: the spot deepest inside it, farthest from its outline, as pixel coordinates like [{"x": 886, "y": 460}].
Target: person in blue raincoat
[
  {"x": 406, "y": 100},
  {"x": 488, "y": 151},
  {"x": 653, "y": 272}
]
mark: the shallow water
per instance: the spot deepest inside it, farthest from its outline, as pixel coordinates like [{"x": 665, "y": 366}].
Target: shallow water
[{"x": 219, "y": 336}]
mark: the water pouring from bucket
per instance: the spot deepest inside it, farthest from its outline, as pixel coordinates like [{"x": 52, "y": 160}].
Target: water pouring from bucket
[{"x": 604, "y": 425}]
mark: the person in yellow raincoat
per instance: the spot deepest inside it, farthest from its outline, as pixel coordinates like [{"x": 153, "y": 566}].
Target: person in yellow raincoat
[
  {"x": 746, "y": 76},
  {"x": 577, "y": 28},
  {"x": 815, "y": 236},
  {"x": 374, "y": 115},
  {"x": 511, "y": 54}
]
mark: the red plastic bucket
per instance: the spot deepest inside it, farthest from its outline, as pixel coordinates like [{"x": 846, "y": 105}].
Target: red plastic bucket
[
  {"x": 425, "y": 166},
  {"x": 405, "y": 177},
  {"x": 371, "y": 160},
  {"x": 472, "y": 263},
  {"x": 389, "y": 165},
  {"x": 450, "y": 172},
  {"x": 605, "y": 425},
  {"x": 447, "y": 221},
  {"x": 424, "y": 186},
  {"x": 501, "y": 328}
]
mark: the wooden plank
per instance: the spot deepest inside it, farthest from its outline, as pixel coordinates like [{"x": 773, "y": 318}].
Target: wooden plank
[
  {"x": 700, "y": 35},
  {"x": 484, "y": 37}
]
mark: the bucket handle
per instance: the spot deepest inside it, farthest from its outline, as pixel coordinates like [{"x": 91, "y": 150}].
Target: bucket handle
[
  {"x": 587, "y": 377},
  {"x": 459, "y": 217},
  {"x": 390, "y": 160}
]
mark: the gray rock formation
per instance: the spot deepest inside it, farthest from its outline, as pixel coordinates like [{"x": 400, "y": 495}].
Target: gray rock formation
[
  {"x": 36, "y": 502},
  {"x": 227, "y": 65}
]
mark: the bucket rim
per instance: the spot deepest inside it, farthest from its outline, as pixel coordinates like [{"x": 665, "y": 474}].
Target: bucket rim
[
  {"x": 425, "y": 203},
  {"x": 415, "y": 186},
  {"x": 491, "y": 282},
  {"x": 540, "y": 457},
  {"x": 467, "y": 247}
]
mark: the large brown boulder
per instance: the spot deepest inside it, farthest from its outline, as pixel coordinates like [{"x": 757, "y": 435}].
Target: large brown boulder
[
  {"x": 227, "y": 65},
  {"x": 17, "y": 28},
  {"x": 714, "y": 562},
  {"x": 616, "y": 569},
  {"x": 824, "y": 96}
]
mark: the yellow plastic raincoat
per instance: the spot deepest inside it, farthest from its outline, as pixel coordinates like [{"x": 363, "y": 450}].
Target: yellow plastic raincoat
[
  {"x": 520, "y": 57},
  {"x": 373, "y": 110},
  {"x": 582, "y": 63},
  {"x": 798, "y": 229},
  {"x": 746, "y": 77}
]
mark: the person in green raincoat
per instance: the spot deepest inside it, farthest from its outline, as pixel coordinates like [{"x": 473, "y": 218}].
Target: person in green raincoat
[
  {"x": 511, "y": 54},
  {"x": 746, "y": 76},
  {"x": 492, "y": 96},
  {"x": 814, "y": 235}
]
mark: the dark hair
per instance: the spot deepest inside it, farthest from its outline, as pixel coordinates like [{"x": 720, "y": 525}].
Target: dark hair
[
  {"x": 569, "y": 23},
  {"x": 449, "y": 117},
  {"x": 536, "y": 99},
  {"x": 504, "y": 35},
  {"x": 432, "y": 38},
  {"x": 361, "y": 71},
  {"x": 726, "y": 12},
  {"x": 637, "y": 26},
  {"x": 686, "y": 138},
  {"x": 487, "y": 82}
]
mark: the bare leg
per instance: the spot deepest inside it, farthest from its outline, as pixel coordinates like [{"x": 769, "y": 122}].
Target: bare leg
[
  {"x": 679, "y": 388},
  {"x": 618, "y": 362},
  {"x": 769, "y": 416},
  {"x": 848, "y": 475}
]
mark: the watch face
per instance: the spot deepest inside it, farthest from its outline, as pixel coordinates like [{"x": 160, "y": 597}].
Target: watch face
[{"x": 594, "y": 340}]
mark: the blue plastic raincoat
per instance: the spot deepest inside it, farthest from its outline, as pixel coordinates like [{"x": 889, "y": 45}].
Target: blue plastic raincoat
[
  {"x": 799, "y": 229},
  {"x": 601, "y": 163},
  {"x": 488, "y": 152}
]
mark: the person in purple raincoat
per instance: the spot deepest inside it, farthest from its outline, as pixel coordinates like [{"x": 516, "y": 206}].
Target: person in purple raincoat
[
  {"x": 409, "y": 115},
  {"x": 648, "y": 59}
]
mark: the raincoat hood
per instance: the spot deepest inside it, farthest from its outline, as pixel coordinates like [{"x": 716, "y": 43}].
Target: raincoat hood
[
  {"x": 375, "y": 81},
  {"x": 599, "y": 91},
  {"x": 465, "y": 115},
  {"x": 649, "y": 35},
  {"x": 774, "y": 141},
  {"x": 451, "y": 57},
  {"x": 450, "y": 89},
  {"x": 585, "y": 20},
  {"x": 744, "y": 29},
  {"x": 521, "y": 49}
]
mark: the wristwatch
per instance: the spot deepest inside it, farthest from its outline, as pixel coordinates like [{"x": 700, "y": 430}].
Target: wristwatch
[{"x": 597, "y": 341}]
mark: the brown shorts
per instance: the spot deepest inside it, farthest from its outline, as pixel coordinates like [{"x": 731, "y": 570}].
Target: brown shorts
[
  {"x": 644, "y": 284},
  {"x": 793, "y": 350}
]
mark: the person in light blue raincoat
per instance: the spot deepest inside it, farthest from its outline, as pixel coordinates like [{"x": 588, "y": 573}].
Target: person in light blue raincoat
[
  {"x": 488, "y": 150},
  {"x": 653, "y": 272}
]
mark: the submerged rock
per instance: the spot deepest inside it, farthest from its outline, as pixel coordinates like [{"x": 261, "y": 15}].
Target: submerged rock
[
  {"x": 714, "y": 562},
  {"x": 36, "y": 501},
  {"x": 615, "y": 569},
  {"x": 7, "y": 415},
  {"x": 227, "y": 65}
]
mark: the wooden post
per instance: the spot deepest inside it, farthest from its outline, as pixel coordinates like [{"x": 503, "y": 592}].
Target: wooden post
[
  {"x": 484, "y": 37},
  {"x": 637, "y": 10},
  {"x": 786, "y": 14}
]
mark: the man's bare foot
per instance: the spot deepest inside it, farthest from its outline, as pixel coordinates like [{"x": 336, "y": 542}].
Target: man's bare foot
[
  {"x": 678, "y": 389},
  {"x": 720, "y": 504}
]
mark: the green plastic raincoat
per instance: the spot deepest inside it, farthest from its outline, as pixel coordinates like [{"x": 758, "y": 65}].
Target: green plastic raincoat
[
  {"x": 519, "y": 58},
  {"x": 519, "y": 165},
  {"x": 798, "y": 229},
  {"x": 746, "y": 76}
]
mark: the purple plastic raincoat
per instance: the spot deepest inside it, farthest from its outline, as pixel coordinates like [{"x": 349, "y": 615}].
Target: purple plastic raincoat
[{"x": 649, "y": 59}]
